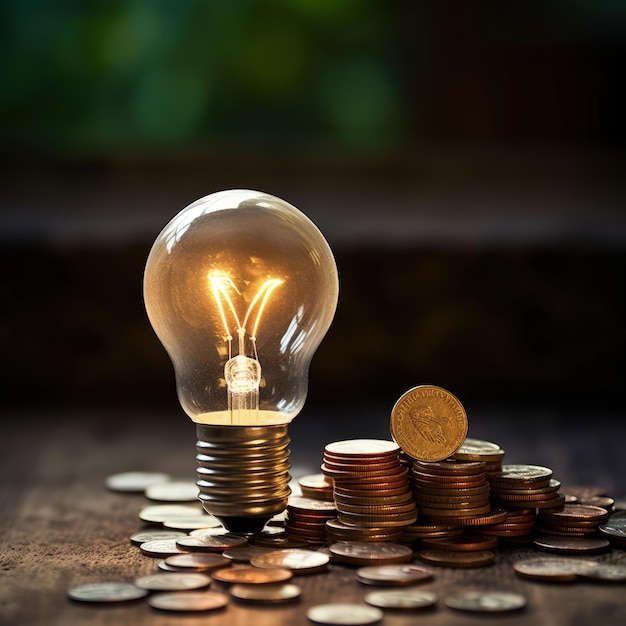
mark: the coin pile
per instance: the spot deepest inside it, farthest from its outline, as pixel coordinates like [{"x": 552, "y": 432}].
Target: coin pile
[
  {"x": 518, "y": 523},
  {"x": 523, "y": 486},
  {"x": 414, "y": 534},
  {"x": 371, "y": 488},
  {"x": 572, "y": 520},
  {"x": 450, "y": 489},
  {"x": 306, "y": 519}
]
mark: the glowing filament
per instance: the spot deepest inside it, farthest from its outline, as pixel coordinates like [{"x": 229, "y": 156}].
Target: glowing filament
[{"x": 220, "y": 286}]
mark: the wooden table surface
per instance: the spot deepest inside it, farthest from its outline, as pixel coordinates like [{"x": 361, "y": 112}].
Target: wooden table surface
[{"x": 61, "y": 526}]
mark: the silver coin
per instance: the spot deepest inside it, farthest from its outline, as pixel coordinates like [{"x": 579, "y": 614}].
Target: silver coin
[
  {"x": 174, "y": 491},
  {"x": 135, "y": 482},
  {"x": 173, "y": 581},
  {"x": 191, "y": 522},
  {"x": 401, "y": 599},
  {"x": 606, "y": 572},
  {"x": 155, "y": 535},
  {"x": 272, "y": 593},
  {"x": 572, "y": 545},
  {"x": 486, "y": 601},
  {"x": 401, "y": 574},
  {"x": 107, "y": 592},
  {"x": 297, "y": 560},
  {"x": 211, "y": 543},
  {"x": 244, "y": 555},
  {"x": 344, "y": 613},
  {"x": 158, "y": 513},
  {"x": 188, "y": 601},
  {"x": 160, "y": 548}
]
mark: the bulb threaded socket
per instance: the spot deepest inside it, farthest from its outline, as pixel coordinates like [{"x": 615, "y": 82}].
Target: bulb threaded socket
[{"x": 243, "y": 473}]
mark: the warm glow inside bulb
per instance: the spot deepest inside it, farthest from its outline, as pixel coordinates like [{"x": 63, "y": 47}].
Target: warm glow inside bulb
[{"x": 241, "y": 288}]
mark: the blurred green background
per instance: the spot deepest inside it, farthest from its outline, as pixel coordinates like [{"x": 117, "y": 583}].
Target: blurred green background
[{"x": 465, "y": 160}]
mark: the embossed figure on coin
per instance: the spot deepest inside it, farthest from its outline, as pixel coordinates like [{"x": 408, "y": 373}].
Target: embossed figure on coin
[{"x": 426, "y": 423}]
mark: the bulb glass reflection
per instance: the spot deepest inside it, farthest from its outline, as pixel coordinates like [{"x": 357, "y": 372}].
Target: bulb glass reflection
[{"x": 241, "y": 287}]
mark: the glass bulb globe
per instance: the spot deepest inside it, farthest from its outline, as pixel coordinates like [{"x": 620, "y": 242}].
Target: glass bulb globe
[{"x": 240, "y": 288}]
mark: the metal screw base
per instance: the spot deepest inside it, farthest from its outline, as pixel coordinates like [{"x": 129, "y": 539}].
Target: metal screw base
[{"x": 243, "y": 474}]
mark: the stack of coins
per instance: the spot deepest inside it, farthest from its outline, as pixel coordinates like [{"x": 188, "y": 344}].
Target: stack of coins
[
  {"x": 572, "y": 520},
  {"x": 518, "y": 523},
  {"x": 414, "y": 534},
  {"x": 306, "y": 518},
  {"x": 371, "y": 488},
  {"x": 526, "y": 486},
  {"x": 446, "y": 490},
  {"x": 338, "y": 531},
  {"x": 479, "y": 450},
  {"x": 316, "y": 487}
]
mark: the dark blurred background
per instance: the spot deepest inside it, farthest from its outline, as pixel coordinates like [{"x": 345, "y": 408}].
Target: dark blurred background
[{"x": 465, "y": 161}]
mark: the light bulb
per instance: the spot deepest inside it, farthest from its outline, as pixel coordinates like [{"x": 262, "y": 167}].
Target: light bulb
[{"x": 241, "y": 287}]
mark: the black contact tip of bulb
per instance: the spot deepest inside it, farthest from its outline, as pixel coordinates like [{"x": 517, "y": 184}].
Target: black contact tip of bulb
[{"x": 243, "y": 525}]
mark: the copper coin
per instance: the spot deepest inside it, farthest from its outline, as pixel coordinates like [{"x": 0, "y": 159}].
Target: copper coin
[
  {"x": 457, "y": 559},
  {"x": 572, "y": 545},
  {"x": 365, "y": 553},
  {"x": 344, "y": 614},
  {"x": 198, "y": 562},
  {"x": 449, "y": 467},
  {"x": 188, "y": 601},
  {"x": 409, "y": 599},
  {"x": 494, "y": 516},
  {"x": 404, "y": 497},
  {"x": 466, "y": 542},
  {"x": 250, "y": 575},
  {"x": 297, "y": 560},
  {"x": 400, "y": 574},
  {"x": 553, "y": 569},
  {"x": 273, "y": 593},
  {"x": 578, "y": 512}
]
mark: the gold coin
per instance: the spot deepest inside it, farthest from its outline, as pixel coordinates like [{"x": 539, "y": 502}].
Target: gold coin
[{"x": 428, "y": 423}]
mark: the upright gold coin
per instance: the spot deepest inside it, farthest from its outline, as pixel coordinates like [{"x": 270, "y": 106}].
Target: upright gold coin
[{"x": 428, "y": 423}]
